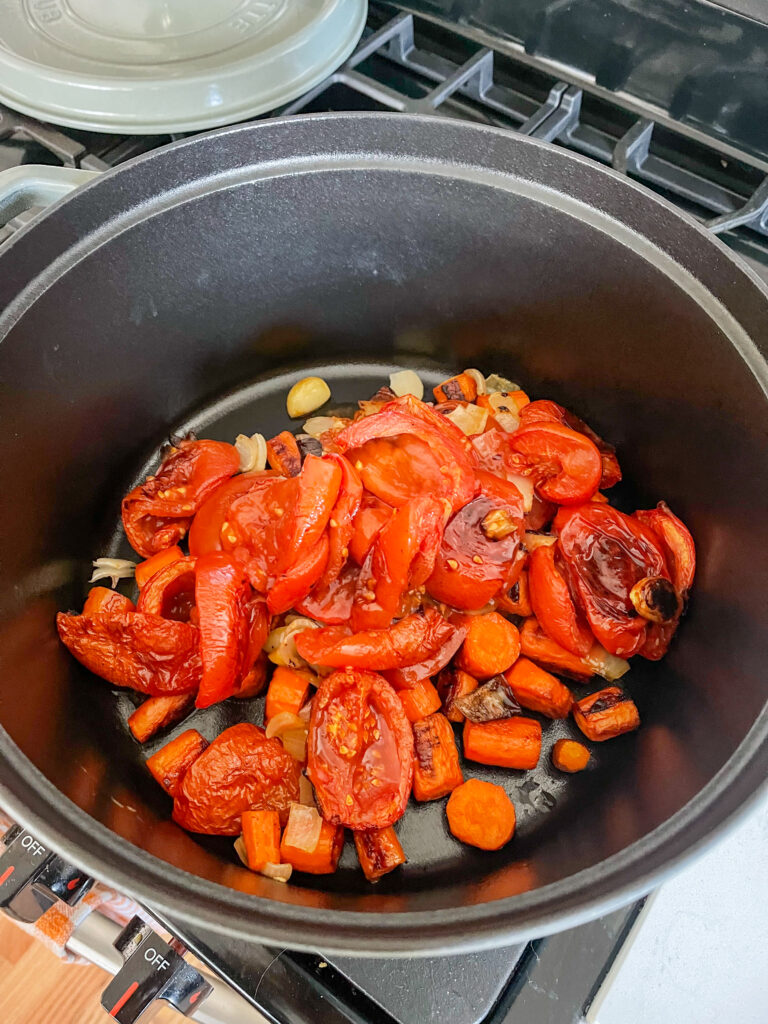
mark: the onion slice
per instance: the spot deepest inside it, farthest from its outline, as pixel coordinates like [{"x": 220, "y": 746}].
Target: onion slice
[
  {"x": 113, "y": 569},
  {"x": 609, "y": 666},
  {"x": 479, "y": 380},
  {"x": 524, "y": 484},
  {"x": 282, "y": 722},
  {"x": 295, "y": 743},
  {"x": 281, "y": 643},
  {"x": 303, "y": 828},
  {"x": 277, "y": 872},
  {"x": 471, "y": 419},
  {"x": 406, "y": 382},
  {"x": 241, "y": 851},
  {"x": 538, "y": 540}
]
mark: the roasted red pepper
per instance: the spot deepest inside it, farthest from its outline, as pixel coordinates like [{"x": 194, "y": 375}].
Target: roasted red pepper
[
  {"x": 553, "y": 605},
  {"x": 241, "y": 770},
  {"x": 680, "y": 552},
  {"x": 145, "y": 652},
  {"x": 157, "y": 513},
  {"x": 171, "y": 591},
  {"x": 451, "y": 638},
  {"x": 407, "y": 642},
  {"x": 360, "y": 753},
  {"x": 331, "y": 603},
  {"x": 605, "y": 553},
  {"x": 451, "y": 450},
  {"x": 221, "y": 594},
  {"x": 210, "y": 524}
]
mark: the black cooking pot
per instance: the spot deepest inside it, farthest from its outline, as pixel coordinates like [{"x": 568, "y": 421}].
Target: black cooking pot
[{"x": 360, "y": 243}]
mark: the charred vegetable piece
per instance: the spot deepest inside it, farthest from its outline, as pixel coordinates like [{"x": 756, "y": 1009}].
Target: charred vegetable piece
[
  {"x": 452, "y": 684},
  {"x": 308, "y": 445},
  {"x": 419, "y": 700},
  {"x": 655, "y": 599},
  {"x": 461, "y": 388},
  {"x": 517, "y": 600},
  {"x": 481, "y": 814},
  {"x": 489, "y": 702},
  {"x": 261, "y": 835},
  {"x": 436, "y": 771},
  {"x": 324, "y": 859},
  {"x": 510, "y": 743},
  {"x": 379, "y": 852},
  {"x": 491, "y": 645},
  {"x": 169, "y": 764},
  {"x": 283, "y": 454},
  {"x": 605, "y": 714},
  {"x": 158, "y": 713},
  {"x": 570, "y": 756},
  {"x": 538, "y": 690}
]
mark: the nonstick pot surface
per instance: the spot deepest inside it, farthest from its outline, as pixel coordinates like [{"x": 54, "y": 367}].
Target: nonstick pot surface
[{"x": 229, "y": 265}]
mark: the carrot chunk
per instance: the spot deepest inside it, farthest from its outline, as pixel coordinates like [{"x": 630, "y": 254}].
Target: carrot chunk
[
  {"x": 461, "y": 388},
  {"x": 451, "y": 685},
  {"x": 283, "y": 454},
  {"x": 158, "y": 713},
  {"x": 288, "y": 691},
  {"x": 102, "y": 599},
  {"x": 605, "y": 714},
  {"x": 481, "y": 814},
  {"x": 261, "y": 835},
  {"x": 570, "y": 756},
  {"x": 169, "y": 765},
  {"x": 325, "y": 856},
  {"x": 419, "y": 700},
  {"x": 536, "y": 645},
  {"x": 436, "y": 768},
  {"x": 379, "y": 852},
  {"x": 146, "y": 570},
  {"x": 491, "y": 645},
  {"x": 509, "y": 743},
  {"x": 538, "y": 690}
]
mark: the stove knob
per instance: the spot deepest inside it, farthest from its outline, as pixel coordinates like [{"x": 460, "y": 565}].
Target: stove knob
[
  {"x": 153, "y": 969},
  {"x": 33, "y": 878}
]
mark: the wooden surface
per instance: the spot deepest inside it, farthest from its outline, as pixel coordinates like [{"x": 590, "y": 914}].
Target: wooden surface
[{"x": 38, "y": 988}]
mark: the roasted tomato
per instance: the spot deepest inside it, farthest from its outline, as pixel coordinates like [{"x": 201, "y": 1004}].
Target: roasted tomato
[
  {"x": 605, "y": 553},
  {"x": 157, "y": 513},
  {"x": 145, "y": 652},
  {"x": 360, "y": 755},
  {"x": 259, "y": 528},
  {"x": 480, "y": 553},
  {"x": 210, "y": 524},
  {"x": 550, "y": 412},
  {"x": 679, "y": 549},
  {"x": 318, "y": 489},
  {"x": 553, "y": 605},
  {"x": 331, "y": 603},
  {"x": 451, "y": 450},
  {"x": 293, "y": 586},
  {"x": 221, "y": 594},
  {"x": 171, "y": 591},
  {"x": 451, "y": 636},
  {"x": 370, "y": 520},
  {"x": 341, "y": 522},
  {"x": 407, "y": 642},
  {"x": 396, "y": 469},
  {"x": 402, "y": 558},
  {"x": 240, "y": 771},
  {"x": 567, "y": 465}
]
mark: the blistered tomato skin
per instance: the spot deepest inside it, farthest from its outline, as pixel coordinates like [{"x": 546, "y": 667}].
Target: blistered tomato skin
[
  {"x": 241, "y": 770},
  {"x": 360, "y": 754}
]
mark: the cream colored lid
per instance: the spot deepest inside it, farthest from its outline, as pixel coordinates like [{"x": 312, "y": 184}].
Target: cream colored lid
[{"x": 156, "y": 66}]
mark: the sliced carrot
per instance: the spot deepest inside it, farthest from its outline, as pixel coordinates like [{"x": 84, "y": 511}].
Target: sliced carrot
[
  {"x": 570, "y": 756},
  {"x": 436, "y": 768},
  {"x": 379, "y": 851},
  {"x": 288, "y": 691},
  {"x": 453, "y": 683},
  {"x": 481, "y": 814},
  {"x": 170, "y": 763},
  {"x": 261, "y": 835},
  {"x": 517, "y": 601},
  {"x": 536, "y": 645},
  {"x": 146, "y": 570},
  {"x": 538, "y": 690},
  {"x": 325, "y": 856},
  {"x": 508, "y": 743},
  {"x": 254, "y": 681},
  {"x": 102, "y": 599},
  {"x": 491, "y": 645},
  {"x": 461, "y": 388},
  {"x": 605, "y": 714},
  {"x": 419, "y": 700},
  {"x": 158, "y": 713},
  {"x": 283, "y": 454}
]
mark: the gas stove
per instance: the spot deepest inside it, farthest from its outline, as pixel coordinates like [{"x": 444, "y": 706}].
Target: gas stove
[{"x": 523, "y": 71}]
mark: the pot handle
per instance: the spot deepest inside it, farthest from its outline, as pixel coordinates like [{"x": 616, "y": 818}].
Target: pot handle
[{"x": 27, "y": 190}]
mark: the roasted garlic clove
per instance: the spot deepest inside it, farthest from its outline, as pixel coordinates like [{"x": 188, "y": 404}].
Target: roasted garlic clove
[{"x": 655, "y": 599}]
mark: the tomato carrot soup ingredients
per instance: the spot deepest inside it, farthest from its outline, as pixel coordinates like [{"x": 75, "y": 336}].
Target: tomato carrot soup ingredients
[
  {"x": 365, "y": 583},
  {"x": 436, "y": 770},
  {"x": 481, "y": 814},
  {"x": 570, "y": 756}
]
